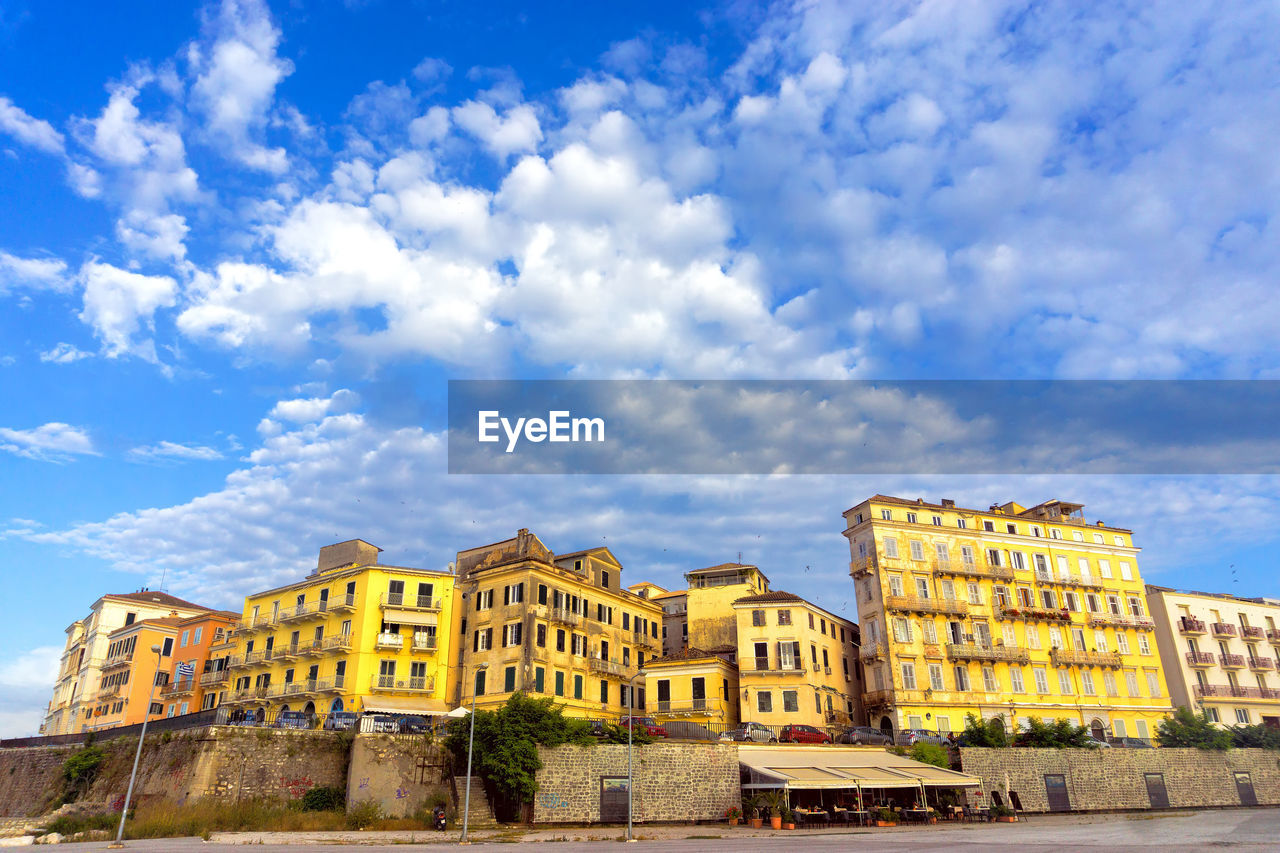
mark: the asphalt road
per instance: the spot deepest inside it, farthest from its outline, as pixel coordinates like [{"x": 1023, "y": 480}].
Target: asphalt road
[{"x": 1239, "y": 829}]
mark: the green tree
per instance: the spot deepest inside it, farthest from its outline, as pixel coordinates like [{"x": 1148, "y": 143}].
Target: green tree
[
  {"x": 1186, "y": 728},
  {"x": 1055, "y": 734},
  {"x": 989, "y": 733},
  {"x": 80, "y": 769},
  {"x": 1256, "y": 736},
  {"x": 929, "y": 753},
  {"x": 507, "y": 740}
]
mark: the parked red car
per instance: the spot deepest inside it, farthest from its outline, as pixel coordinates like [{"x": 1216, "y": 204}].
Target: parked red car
[
  {"x": 644, "y": 724},
  {"x": 803, "y": 734}
]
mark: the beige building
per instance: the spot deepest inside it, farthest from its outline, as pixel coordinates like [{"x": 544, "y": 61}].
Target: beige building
[
  {"x": 1006, "y": 613},
  {"x": 1220, "y": 653},
  {"x": 79, "y": 682},
  {"x": 546, "y": 624}
]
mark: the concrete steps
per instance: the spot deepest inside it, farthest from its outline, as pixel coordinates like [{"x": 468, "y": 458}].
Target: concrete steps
[{"x": 481, "y": 813}]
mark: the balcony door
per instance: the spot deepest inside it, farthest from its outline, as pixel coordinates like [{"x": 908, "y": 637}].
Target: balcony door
[{"x": 699, "y": 686}]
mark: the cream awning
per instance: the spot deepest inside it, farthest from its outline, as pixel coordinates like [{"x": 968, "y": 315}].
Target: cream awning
[
  {"x": 409, "y": 617},
  {"x": 813, "y": 767}
]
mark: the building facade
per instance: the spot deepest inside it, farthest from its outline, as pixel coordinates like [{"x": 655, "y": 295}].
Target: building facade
[
  {"x": 187, "y": 689},
  {"x": 354, "y": 635},
  {"x": 1221, "y": 653},
  {"x": 797, "y": 663},
  {"x": 709, "y": 619},
  {"x": 696, "y": 686},
  {"x": 551, "y": 625},
  {"x": 80, "y": 666},
  {"x": 134, "y": 673},
  {"x": 1007, "y": 612}
]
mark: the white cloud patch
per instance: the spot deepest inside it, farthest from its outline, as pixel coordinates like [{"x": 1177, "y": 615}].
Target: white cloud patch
[
  {"x": 516, "y": 132},
  {"x": 64, "y": 353},
  {"x": 312, "y": 409},
  {"x": 119, "y": 304},
  {"x": 236, "y": 77},
  {"x": 172, "y": 451},
  {"x": 54, "y": 442},
  {"x": 32, "y": 273},
  {"x": 34, "y": 132}
]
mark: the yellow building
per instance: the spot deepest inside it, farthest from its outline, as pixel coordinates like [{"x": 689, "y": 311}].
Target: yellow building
[
  {"x": 80, "y": 668},
  {"x": 354, "y": 635},
  {"x": 131, "y": 670},
  {"x": 1220, "y": 653},
  {"x": 797, "y": 663},
  {"x": 551, "y": 625},
  {"x": 1004, "y": 613},
  {"x": 694, "y": 685},
  {"x": 196, "y": 677},
  {"x": 709, "y": 600}
]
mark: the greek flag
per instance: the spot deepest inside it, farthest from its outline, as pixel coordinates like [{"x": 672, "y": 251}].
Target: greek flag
[{"x": 186, "y": 670}]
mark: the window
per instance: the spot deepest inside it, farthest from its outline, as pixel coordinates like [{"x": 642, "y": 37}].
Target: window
[
  {"x": 1010, "y": 632},
  {"x": 989, "y": 680},
  {"x": 484, "y": 599},
  {"x": 948, "y": 590},
  {"x": 791, "y": 699},
  {"x": 195, "y": 638},
  {"x": 1086, "y": 683},
  {"x": 542, "y": 593},
  {"x": 1100, "y": 641},
  {"x": 1049, "y": 600},
  {"x": 912, "y": 518},
  {"x": 1135, "y": 606},
  {"x": 1144, "y": 646},
  {"x": 942, "y": 552},
  {"x": 1042, "y": 680},
  {"x": 989, "y": 526},
  {"x": 511, "y": 634},
  {"x": 577, "y": 685},
  {"x": 559, "y": 683},
  {"x": 784, "y": 617},
  {"x": 811, "y": 626},
  {"x": 1122, "y": 642},
  {"x": 1019, "y": 560},
  {"x": 764, "y": 701},
  {"x": 975, "y": 594},
  {"x": 994, "y": 556},
  {"x": 1131, "y": 682},
  {"x": 917, "y": 549},
  {"x": 1015, "y": 679},
  {"x": 167, "y": 648},
  {"x": 1104, "y": 568},
  {"x": 186, "y": 635},
  {"x": 929, "y": 630},
  {"x": 891, "y": 548},
  {"x": 559, "y": 646},
  {"x": 604, "y": 693},
  {"x": 935, "y": 677},
  {"x": 895, "y": 584},
  {"x": 901, "y": 630},
  {"x": 757, "y": 618},
  {"x": 922, "y": 587},
  {"x": 908, "y": 675},
  {"x": 1010, "y": 527},
  {"x": 962, "y": 677},
  {"x": 480, "y": 683},
  {"x": 1126, "y": 573},
  {"x": 1033, "y": 637},
  {"x": 509, "y": 679},
  {"x": 540, "y": 636},
  {"x": 1070, "y": 602},
  {"x": 1213, "y": 714},
  {"x": 1064, "y": 682},
  {"x": 937, "y": 521},
  {"x": 886, "y": 514},
  {"x": 1054, "y": 533},
  {"x": 1153, "y": 683},
  {"x": 604, "y": 579},
  {"x": 1035, "y": 530},
  {"x": 1109, "y": 682},
  {"x": 1242, "y": 716},
  {"x": 1077, "y": 536},
  {"x": 961, "y": 523},
  {"x": 483, "y": 640}
]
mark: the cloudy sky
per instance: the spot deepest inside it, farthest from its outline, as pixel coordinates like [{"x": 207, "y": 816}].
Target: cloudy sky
[{"x": 244, "y": 245}]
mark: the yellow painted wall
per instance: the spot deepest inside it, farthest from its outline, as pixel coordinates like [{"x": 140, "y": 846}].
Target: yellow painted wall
[{"x": 720, "y": 679}]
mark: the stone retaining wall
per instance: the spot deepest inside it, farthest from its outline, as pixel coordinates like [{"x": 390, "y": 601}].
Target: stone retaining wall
[
  {"x": 402, "y": 774},
  {"x": 672, "y": 781},
  {"x": 1110, "y": 779}
]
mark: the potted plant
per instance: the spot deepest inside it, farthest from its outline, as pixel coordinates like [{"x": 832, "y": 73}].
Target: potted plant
[
  {"x": 734, "y": 814},
  {"x": 886, "y": 817},
  {"x": 1002, "y": 813},
  {"x": 752, "y": 808},
  {"x": 773, "y": 803},
  {"x": 933, "y": 815},
  {"x": 788, "y": 818}
]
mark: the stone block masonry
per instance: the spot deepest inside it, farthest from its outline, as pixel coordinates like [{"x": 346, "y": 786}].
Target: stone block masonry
[
  {"x": 1112, "y": 779},
  {"x": 673, "y": 781},
  {"x": 403, "y": 774}
]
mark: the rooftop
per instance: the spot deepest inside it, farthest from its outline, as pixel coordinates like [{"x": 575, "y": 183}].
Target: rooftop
[{"x": 150, "y": 596}]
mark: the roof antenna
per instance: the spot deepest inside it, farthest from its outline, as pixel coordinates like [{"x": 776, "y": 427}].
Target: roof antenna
[{"x": 163, "y": 572}]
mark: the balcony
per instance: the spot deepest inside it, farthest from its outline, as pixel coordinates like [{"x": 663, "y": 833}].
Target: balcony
[
  {"x": 973, "y": 570},
  {"x": 288, "y": 652},
  {"x": 877, "y": 698},
  {"x": 117, "y": 662},
  {"x": 564, "y": 616},
  {"x": 393, "y": 642},
  {"x": 1262, "y": 664},
  {"x": 400, "y": 601},
  {"x": 1120, "y": 621},
  {"x": 1067, "y": 657},
  {"x": 342, "y": 603},
  {"x": 965, "y": 651},
  {"x": 760, "y": 666},
  {"x": 258, "y": 657},
  {"x": 919, "y": 604},
  {"x": 403, "y": 685},
  {"x": 1226, "y": 691},
  {"x": 297, "y": 612},
  {"x": 1201, "y": 658},
  {"x": 213, "y": 679},
  {"x": 287, "y": 690},
  {"x": 1188, "y": 625},
  {"x": 182, "y": 687},
  {"x": 108, "y": 692},
  {"x": 861, "y": 567},
  {"x": 608, "y": 667},
  {"x": 236, "y": 662},
  {"x": 685, "y": 707},
  {"x": 424, "y": 643},
  {"x": 340, "y": 643},
  {"x": 312, "y": 649},
  {"x": 1273, "y": 634},
  {"x": 873, "y": 651},
  {"x": 1223, "y": 629},
  {"x": 1031, "y": 614},
  {"x": 331, "y": 686},
  {"x": 1250, "y": 632},
  {"x": 1231, "y": 661}
]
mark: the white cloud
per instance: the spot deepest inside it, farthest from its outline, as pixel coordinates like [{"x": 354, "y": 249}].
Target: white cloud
[
  {"x": 168, "y": 450},
  {"x": 36, "y": 668},
  {"x": 516, "y": 132},
  {"x": 32, "y": 273},
  {"x": 309, "y": 410},
  {"x": 35, "y": 132},
  {"x": 119, "y": 303},
  {"x": 236, "y": 78},
  {"x": 64, "y": 353},
  {"x": 54, "y": 442}
]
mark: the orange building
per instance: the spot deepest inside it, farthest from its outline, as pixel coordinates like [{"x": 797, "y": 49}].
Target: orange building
[
  {"x": 130, "y": 670},
  {"x": 197, "y": 672}
]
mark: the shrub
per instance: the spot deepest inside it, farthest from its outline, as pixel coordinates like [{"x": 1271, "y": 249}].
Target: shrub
[
  {"x": 363, "y": 814},
  {"x": 929, "y": 753},
  {"x": 1186, "y": 728},
  {"x": 1055, "y": 734},
  {"x": 80, "y": 769},
  {"x": 1257, "y": 736},
  {"x": 979, "y": 733},
  {"x": 887, "y": 815},
  {"x": 1001, "y": 810},
  {"x": 66, "y": 825},
  {"x": 324, "y": 799}
]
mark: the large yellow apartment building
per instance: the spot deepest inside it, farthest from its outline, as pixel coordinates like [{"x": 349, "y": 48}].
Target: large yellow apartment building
[
  {"x": 545, "y": 624},
  {"x": 354, "y": 635},
  {"x": 1005, "y": 613}
]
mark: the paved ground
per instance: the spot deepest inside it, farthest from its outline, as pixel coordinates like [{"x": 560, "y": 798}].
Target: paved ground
[{"x": 1241, "y": 829}]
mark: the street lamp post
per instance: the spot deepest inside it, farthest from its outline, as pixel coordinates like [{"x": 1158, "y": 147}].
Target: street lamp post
[
  {"x": 137, "y": 755},
  {"x": 471, "y": 739},
  {"x": 631, "y": 725}
]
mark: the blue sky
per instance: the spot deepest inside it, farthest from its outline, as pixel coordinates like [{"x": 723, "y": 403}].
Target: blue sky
[{"x": 244, "y": 245}]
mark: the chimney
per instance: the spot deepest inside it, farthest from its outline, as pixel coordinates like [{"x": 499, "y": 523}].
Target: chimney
[{"x": 948, "y": 503}]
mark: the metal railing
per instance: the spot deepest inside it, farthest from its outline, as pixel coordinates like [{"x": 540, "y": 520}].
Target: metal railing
[
  {"x": 1223, "y": 629},
  {"x": 1034, "y": 614},
  {"x": 1251, "y": 631},
  {"x": 873, "y": 651},
  {"x": 410, "y": 602},
  {"x": 339, "y": 642},
  {"x": 1070, "y": 657},
  {"x": 1233, "y": 661},
  {"x": 1200, "y": 658},
  {"x": 117, "y": 660},
  {"x": 1120, "y": 621},
  {"x": 610, "y": 667},
  {"x": 1262, "y": 663},
  {"x": 424, "y": 642},
  {"x": 919, "y": 604},
  {"x": 1227, "y": 691},
  {"x": 390, "y": 641},
  {"x": 689, "y": 706},
  {"x": 216, "y": 677},
  {"x": 974, "y": 569},
  {"x": 564, "y": 616},
  {"x": 390, "y": 682},
  {"x": 1273, "y": 634},
  {"x": 179, "y": 687},
  {"x": 344, "y": 602},
  {"x": 965, "y": 651},
  {"x": 1188, "y": 625}
]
